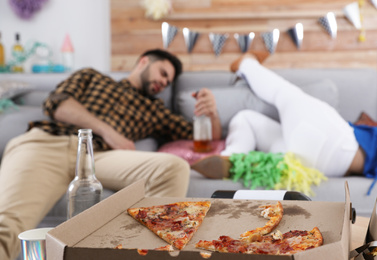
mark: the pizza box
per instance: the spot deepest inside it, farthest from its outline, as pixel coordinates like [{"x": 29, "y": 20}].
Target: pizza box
[{"x": 96, "y": 232}]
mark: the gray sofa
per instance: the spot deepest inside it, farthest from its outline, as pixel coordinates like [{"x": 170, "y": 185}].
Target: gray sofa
[{"x": 350, "y": 91}]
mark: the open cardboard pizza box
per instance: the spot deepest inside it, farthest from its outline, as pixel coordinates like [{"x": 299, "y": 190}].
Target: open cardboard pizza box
[{"x": 96, "y": 232}]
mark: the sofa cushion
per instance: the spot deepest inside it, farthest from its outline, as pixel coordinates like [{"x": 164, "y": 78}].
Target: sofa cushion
[
  {"x": 192, "y": 81},
  {"x": 238, "y": 97},
  {"x": 15, "y": 122},
  {"x": 148, "y": 144},
  {"x": 229, "y": 102},
  {"x": 12, "y": 88},
  {"x": 33, "y": 98},
  {"x": 357, "y": 87}
]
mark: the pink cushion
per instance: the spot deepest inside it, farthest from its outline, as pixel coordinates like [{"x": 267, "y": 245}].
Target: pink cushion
[{"x": 184, "y": 149}]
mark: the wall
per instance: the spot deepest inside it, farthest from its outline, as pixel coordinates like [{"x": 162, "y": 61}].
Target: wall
[
  {"x": 132, "y": 32},
  {"x": 110, "y": 34},
  {"x": 86, "y": 21}
]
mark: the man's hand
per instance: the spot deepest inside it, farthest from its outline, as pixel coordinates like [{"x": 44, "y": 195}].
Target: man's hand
[
  {"x": 206, "y": 105},
  {"x": 117, "y": 141}
]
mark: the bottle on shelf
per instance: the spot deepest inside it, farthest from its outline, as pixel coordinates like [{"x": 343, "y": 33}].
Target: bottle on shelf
[
  {"x": 85, "y": 190},
  {"x": 2, "y": 54},
  {"x": 17, "y": 51},
  {"x": 67, "y": 52}
]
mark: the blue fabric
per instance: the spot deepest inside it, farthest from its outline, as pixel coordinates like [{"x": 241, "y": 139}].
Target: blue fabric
[{"x": 366, "y": 136}]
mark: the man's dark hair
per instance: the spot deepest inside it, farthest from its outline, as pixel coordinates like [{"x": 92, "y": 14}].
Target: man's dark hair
[{"x": 158, "y": 54}]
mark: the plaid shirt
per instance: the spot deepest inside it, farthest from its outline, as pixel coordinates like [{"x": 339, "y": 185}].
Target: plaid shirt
[{"x": 119, "y": 104}]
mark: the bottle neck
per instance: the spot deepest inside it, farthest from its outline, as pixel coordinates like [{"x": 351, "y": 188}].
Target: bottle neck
[
  {"x": 85, "y": 159},
  {"x": 17, "y": 46}
]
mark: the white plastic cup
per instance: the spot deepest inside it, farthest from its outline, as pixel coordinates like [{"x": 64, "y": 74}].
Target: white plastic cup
[{"x": 33, "y": 243}]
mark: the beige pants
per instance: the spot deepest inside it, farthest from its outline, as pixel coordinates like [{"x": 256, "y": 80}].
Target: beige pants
[{"x": 37, "y": 167}]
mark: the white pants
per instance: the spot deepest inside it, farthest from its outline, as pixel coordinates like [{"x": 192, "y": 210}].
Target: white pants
[{"x": 308, "y": 127}]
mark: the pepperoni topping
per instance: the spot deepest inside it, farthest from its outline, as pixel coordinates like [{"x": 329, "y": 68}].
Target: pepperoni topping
[
  {"x": 141, "y": 215},
  {"x": 295, "y": 233}
]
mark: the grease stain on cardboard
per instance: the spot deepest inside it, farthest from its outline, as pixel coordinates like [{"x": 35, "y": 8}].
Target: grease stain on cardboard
[
  {"x": 219, "y": 208},
  {"x": 296, "y": 211}
]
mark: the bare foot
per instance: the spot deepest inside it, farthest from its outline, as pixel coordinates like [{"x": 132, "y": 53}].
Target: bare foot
[{"x": 260, "y": 56}]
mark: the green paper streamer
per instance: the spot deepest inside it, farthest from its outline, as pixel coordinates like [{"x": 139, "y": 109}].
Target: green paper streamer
[{"x": 273, "y": 171}]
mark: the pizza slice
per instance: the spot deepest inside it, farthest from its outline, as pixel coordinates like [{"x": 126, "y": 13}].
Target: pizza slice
[
  {"x": 272, "y": 212},
  {"x": 175, "y": 223},
  {"x": 262, "y": 241},
  {"x": 299, "y": 240},
  {"x": 284, "y": 244}
]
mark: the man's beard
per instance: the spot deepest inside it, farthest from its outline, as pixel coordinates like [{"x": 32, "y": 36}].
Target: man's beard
[{"x": 145, "y": 83}]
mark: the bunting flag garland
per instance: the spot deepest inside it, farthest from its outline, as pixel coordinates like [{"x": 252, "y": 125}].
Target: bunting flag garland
[
  {"x": 271, "y": 40},
  {"x": 168, "y": 34},
  {"x": 329, "y": 24},
  {"x": 362, "y": 37},
  {"x": 374, "y": 3},
  {"x": 218, "y": 41},
  {"x": 190, "y": 38},
  {"x": 297, "y": 34},
  {"x": 352, "y": 12},
  {"x": 244, "y": 41}
]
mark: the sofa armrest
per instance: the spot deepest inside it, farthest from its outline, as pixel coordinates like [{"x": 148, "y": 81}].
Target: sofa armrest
[{"x": 15, "y": 121}]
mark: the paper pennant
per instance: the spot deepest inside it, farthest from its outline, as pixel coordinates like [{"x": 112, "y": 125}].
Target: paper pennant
[
  {"x": 190, "y": 38},
  {"x": 168, "y": 34},
  {"x": 218, "y": 41},
  {"x": 329, "y": 23},
  {"x": 297, "y": 34},
  {"x": 352, "y": 12},
  {"x": 271, "y": 40},
  {"x": 244, "y": 40},
  {"x": 374, "y": 3}
]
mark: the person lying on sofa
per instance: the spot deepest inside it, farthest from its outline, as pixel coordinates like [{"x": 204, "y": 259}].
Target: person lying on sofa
[
  {"x": 309, "y": 128},
  {"x": 38, "y": 166}
]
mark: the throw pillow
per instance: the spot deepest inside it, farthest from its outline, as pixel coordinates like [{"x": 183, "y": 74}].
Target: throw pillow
[
  {"x": 10, "y": 89},
  {"x": 233, "y": 98},
  {"x": 185, "y": 149},
  {"x": 365, "y": 119}
]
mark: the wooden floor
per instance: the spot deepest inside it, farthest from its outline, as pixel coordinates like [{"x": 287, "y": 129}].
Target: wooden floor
[{"x": 132, "y": 32}]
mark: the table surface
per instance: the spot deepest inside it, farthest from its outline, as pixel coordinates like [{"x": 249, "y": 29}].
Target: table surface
[{"x": 358, "y": 232}]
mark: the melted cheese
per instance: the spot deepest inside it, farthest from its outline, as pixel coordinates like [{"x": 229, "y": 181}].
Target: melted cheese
[
  {"x": 266, "y": 212},
  {"x": 192, "y": 210},
  {"x": 277, "y": 235}
]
